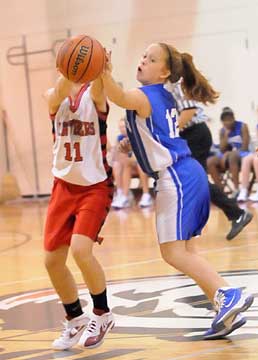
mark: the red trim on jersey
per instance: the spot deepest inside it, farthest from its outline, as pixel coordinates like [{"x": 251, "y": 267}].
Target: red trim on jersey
[
  {"x": 52, "y": 116},
  {"x": 52, "y": 119},
  {"x": 106, "y": 166},
  {"x": 102, "y": 115},
  {"x": 103, "y": 139},
  {"x": 75, "y": 104}
]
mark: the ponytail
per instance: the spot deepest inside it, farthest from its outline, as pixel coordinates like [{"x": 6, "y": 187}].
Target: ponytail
[{"x": 195, "y": 85}]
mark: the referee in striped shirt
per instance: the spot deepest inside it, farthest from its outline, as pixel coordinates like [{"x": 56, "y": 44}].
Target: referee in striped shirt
[{"x": 193, "y": 128}]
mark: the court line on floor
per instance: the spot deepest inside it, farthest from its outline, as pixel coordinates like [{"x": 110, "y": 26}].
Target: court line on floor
[
  {"x": 26, "y": 239},
  {"x": 204, "y": 352},
  {"x": 131, "y": 264}
]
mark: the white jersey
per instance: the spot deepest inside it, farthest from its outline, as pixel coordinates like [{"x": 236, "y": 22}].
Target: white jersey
[{"x": 80, "y": 141}]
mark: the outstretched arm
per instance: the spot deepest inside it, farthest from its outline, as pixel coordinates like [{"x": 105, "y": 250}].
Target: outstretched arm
[{"x": 133, "y": 99}]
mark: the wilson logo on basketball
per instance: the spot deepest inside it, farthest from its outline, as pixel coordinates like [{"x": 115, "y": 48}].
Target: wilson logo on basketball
[{"x": 80, "y": 58}]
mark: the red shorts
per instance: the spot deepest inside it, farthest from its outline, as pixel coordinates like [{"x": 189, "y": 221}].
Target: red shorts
[{"x": 75, "y": 209}]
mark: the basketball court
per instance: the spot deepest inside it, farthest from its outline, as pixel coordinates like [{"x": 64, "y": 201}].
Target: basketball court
[{"x": 159, "y": 313}]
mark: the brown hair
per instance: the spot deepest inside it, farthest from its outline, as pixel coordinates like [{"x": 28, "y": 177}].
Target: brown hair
[{"x": 194, "y": 84}]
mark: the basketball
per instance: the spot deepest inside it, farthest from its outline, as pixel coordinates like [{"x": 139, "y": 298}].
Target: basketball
[{"x": 81, "y": 59}]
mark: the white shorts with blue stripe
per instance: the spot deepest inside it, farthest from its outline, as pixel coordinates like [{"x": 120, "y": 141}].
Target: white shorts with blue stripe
[{"x": 182, "y": 201}]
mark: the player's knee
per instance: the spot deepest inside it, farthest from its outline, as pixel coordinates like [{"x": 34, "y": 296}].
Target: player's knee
[
  {"x": 169, "y": 257},
  {"x": 81, "y": 247},
  {"x": 52, "y": 263},
  {"x": 80, "y": 253},
  {"x": 77, "y": 253},
  {"x": 166, "y": 258}
]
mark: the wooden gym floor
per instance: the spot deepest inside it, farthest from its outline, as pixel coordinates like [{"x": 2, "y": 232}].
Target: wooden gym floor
[{"x": 160, "y": 314}]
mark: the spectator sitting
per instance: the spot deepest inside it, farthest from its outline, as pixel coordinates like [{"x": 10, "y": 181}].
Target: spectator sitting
[
  {"x": 234, "y": 143},
  {"x": 124, "y": 167}
]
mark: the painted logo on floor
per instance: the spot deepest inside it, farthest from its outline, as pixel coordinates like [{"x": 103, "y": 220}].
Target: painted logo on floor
[{"x": 171, "y": 305}]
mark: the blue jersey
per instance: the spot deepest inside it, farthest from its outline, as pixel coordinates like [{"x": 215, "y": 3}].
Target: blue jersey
[
  {"x": 182, "y": 202},
  {"x": 155, "y": 140},
  {"x": 235, "y": 135}
]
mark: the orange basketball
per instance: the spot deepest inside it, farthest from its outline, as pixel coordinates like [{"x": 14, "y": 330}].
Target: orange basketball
[{"x": 81, "y": 59}]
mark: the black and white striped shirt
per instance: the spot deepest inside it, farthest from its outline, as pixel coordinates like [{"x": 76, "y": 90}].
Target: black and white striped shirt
[{"x": 182, "y": 103}]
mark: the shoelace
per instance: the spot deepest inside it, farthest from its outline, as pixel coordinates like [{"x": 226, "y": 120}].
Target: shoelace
[
  {"x": 220, "y": 301},
  {"x": 92, "y": 326}
]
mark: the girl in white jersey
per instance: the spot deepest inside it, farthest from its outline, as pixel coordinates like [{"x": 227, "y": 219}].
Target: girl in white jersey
[
  {"x": 80, "y": 201},
  {"x": 182, "y": 203}
]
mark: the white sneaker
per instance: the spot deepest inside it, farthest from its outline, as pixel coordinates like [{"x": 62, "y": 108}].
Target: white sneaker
[
  {"x": 72, "y": 332},
  {"x": 119, "y": 192},
  {"x": 120, "y": 202},
  {"x": 243, "y": 195},
  {"x": 146, "y": 200},
  {"x": 98, "y": 327},
  {"x": 254, "y": 197},
  {"x": 115, "y": 197}
]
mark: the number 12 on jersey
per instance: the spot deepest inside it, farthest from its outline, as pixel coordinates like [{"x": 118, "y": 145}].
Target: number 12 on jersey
[
  {"x": 77, "y": 152},
  {"x": 171, "y": 116}
]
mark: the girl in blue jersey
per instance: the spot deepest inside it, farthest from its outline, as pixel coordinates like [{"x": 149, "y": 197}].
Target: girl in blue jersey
[{"x": 182, "y": 202}]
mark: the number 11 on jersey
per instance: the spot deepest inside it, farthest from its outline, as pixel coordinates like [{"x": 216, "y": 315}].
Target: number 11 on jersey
[
  {"x": 68, "y": 152},
  {"x": 171, "y": 116}
]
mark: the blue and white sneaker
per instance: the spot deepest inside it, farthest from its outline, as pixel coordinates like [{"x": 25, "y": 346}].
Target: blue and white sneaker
[
  {"x": 211, "y": 334},
  {"x": 229, "y": 302}
]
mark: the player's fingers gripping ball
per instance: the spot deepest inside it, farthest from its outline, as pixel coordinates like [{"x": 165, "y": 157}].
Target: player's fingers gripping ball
[{"x": 81, "y": 59}]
